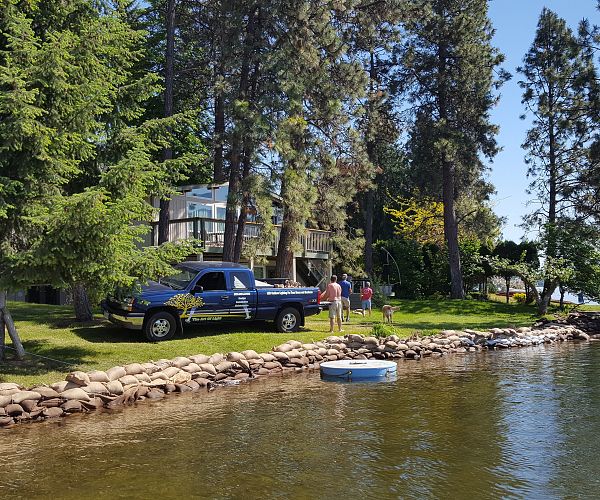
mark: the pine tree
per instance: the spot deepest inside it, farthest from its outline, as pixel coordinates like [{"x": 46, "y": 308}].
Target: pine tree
[
  {"x": 447, "y": 72},
  {"x": 555, "y": 92}
]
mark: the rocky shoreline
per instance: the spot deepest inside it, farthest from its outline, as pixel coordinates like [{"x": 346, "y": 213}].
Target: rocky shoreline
[{"x": 124, "y": 385}]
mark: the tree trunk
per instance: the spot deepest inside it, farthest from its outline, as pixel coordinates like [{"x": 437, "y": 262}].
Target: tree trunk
[
  {"x": 507, "y": 281},
  {"x": 235, "y": 180},
  {"x": 10, "y": 326},
  {"x": 81, "y": 303},
  {"x": 218, "y": 173},
  {"x": 284, "y": 266},
  {"x": 370, "y": 195},
  {"x": 448, "y": 187},
  {"x": 2, "y": 325},
  {"x": 562, "y": 298},
  {"x": 163, "y": 220},
  {"x": 241, "y": 222}
]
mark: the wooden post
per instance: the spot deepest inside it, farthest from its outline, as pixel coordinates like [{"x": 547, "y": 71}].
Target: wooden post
[{"x": 10, "y": 325}]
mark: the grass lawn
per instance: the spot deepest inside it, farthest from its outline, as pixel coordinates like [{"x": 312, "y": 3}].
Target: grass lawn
[{"x": 49, "y": 331}]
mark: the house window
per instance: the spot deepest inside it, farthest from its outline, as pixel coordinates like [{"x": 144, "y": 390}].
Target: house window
[
  {"x": 221, "y": 193},
  {"x": 206, "y": 193},
  {"x": 221, "y": 213},
  {"x": 199, "y": 210}
]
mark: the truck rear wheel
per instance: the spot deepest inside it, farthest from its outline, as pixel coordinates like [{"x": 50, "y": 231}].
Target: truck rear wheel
[
  {"x": 288, "y": 320},
  {"x": 162, "y": 325}
]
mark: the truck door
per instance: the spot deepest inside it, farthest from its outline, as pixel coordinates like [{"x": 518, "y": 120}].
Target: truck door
[
  {"x": 217, "y": 300},
  {"x": 241, "y": 284}
]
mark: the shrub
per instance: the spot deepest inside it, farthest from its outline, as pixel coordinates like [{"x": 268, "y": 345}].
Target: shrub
[
  {"x": 381, "y": 330},
  {"x": 521, "y": 298}
]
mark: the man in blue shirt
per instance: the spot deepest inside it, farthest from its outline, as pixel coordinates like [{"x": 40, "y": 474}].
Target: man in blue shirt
[{"x": 346, "y": 289}]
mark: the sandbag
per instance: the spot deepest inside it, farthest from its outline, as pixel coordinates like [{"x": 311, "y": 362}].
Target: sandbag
[
  {"x": 199, "y": 358},
  {"x": 208, "y": 367},
  {"x": 116, "y": 372},
  {"x": 26, "y": 395},
  {"x": 171, "y": 371},
  {"x": 77, "y": 393},
  {"x": 6, "y": 386},
  {"x": 98, "y": 376},
  {"x": 267, "y": 357},
  {"x": 224, "y": 366},
  {"x": 281, "y": 356},
  {"x": 5, "y": 400},
  {"x": 216, "y": 358},
  {"x": 192, "y": 368},
  {"x": 71, "y": 406},
  {"x": 181, "y": 377},
  {"x": 295, "y": 344},
  {"x": 78, "y": 377},
  {"x": 234, "y": 357},
  {"x": 159, "y": 376},
  {"x": 133, "y": 369},
  {"x": 250, "y": 354},
  {"x": 143, "y": 377},
  {"x": 180, "y": 362},
  {"x": 282, "y": 348},
  {"x": 29, "y": 405},
  {"x": 53, "y": 412},
  {"x": 129, "y": 380},
  {"x": 96, "y": 388},
  {"x": 63, "y": 386},
  {"x": 46, "y": 392},
  {"x": 13, "y": 409},
  {"x": 115, "y": 387}
]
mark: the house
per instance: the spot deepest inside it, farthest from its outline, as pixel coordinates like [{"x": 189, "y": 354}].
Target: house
[{"x": 198, "y": 211}]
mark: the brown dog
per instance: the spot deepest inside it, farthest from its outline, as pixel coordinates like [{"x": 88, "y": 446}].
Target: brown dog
[{"x": 388, "y": 313}]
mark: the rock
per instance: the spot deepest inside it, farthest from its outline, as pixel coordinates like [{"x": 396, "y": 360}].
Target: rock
[
  {"x": 79, "y": 378},
  {"x": 98, "y": 376},
  {"x": 53, "y": 412},
  {"x": 410, "y": 354},
  {"x": 402, "y": 347},
  {"x": 116, "y": 372},
  {"x": 18, "y": 397},
  {"x": 371, "y": 340},
  {"x": 133, "y": 369}
]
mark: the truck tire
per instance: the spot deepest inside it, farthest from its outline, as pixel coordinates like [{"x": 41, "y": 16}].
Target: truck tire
[
  {"x": 288, "y": 320},
  {"x": 162, "y": 325}
]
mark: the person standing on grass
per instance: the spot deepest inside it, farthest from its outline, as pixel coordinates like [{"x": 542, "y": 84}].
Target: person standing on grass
[
  {"x": 333, "y": 295},
  {"x": 365, "y": 297},
  {"x": 346, "y": 287}
]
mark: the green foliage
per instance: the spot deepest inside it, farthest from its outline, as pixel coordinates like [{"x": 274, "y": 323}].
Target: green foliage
[
  {"x": 521, "y": 298},
  {"x": 381, "y": 330}
]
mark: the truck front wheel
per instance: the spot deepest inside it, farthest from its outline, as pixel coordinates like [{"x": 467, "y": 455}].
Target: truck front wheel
[
  {"x": 288, "y": 320},
  {"x": 160, "y": 326}
]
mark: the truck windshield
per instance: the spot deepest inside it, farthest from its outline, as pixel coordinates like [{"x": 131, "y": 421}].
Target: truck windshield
[{"x": 180, "y": 280}]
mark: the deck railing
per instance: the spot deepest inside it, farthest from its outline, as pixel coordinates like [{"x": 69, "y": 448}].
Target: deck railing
[{"x": 212, "y": 231}]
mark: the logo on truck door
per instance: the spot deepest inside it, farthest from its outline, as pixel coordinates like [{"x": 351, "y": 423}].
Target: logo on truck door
[{"x": 185, "y": 302}]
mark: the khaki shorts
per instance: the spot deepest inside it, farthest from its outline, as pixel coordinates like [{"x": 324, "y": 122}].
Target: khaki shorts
[
  {"x": 345, "y": 303},
  {"x": 335, "y": 309}
]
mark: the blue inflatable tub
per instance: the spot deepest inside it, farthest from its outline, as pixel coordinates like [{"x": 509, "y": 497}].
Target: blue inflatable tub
[{"x": 358, "y": 369}]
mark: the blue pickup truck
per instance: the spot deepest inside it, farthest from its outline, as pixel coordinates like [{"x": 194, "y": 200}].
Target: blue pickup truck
[{"x": 210, "y": 291}]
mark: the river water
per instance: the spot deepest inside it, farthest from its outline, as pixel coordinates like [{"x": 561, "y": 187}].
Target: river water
[{"x": 523, "y": 423}]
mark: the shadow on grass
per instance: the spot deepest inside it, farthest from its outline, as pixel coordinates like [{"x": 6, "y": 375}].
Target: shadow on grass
[
  {"x": 107, "y": 333},
  {"x": 54, "y": 359}
]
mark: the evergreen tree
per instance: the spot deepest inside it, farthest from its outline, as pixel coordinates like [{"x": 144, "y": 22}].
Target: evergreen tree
[
  {"x": 447, "y": 72},
  {"x": 556, "y": 88}
]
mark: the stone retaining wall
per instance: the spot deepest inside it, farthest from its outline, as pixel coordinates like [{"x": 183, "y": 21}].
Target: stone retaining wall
[{"x": 123, "y": 385}]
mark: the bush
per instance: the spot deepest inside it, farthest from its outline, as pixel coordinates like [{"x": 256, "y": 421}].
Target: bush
[
  {"x": 521, "y": 298},
  {"x": 381, "y": 330}
]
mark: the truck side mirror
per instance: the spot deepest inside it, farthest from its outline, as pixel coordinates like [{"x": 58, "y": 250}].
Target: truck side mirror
[{"x": 198, "y": 289}]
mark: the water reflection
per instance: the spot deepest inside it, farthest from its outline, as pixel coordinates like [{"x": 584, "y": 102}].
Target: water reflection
[{"x": 521, "y": 423}]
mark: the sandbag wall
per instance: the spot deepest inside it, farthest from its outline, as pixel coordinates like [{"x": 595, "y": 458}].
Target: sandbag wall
[{"x": 122, "y": 385}]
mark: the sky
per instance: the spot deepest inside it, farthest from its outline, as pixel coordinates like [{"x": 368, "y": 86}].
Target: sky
[{"x": 515, "y": 22}]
